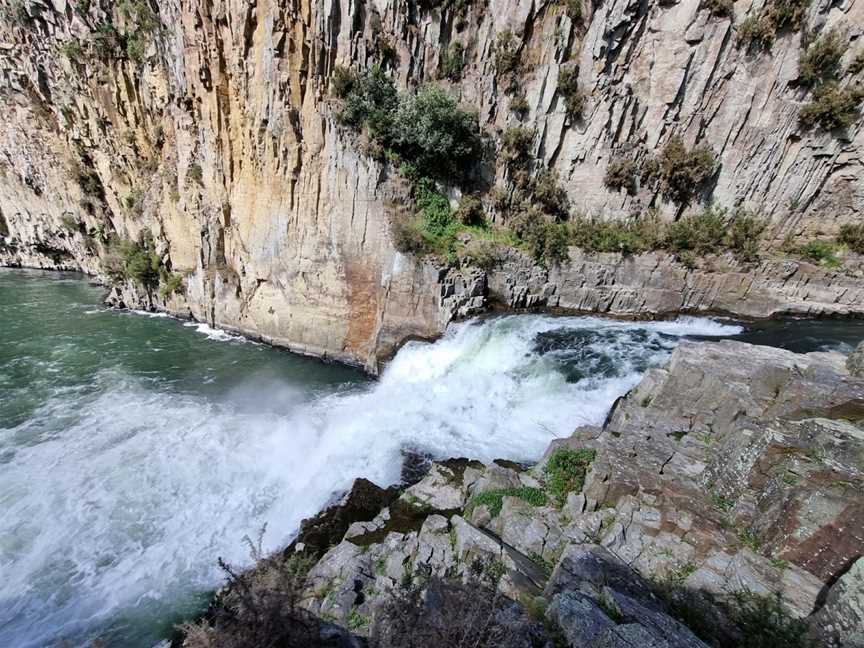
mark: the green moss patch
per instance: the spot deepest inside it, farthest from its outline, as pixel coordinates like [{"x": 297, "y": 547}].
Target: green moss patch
[
  {"x": 565, "y": 472},
  {"x": 494, "y": 499}
]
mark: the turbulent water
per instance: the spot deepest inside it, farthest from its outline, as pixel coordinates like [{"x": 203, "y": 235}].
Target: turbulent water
[{"x": 136, "y": 449}]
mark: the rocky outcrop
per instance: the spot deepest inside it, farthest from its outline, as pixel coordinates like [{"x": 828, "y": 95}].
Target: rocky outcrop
[
  {"x": 723, "y": 493},
  {"x": 213, "y": 130},
  {"x": 655, "y": 285}
]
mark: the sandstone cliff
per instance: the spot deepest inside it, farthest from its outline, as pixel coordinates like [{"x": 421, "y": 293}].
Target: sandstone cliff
[{"x": 208, "y": 124}]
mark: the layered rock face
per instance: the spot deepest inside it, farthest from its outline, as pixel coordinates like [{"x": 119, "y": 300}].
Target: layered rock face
[
  {"x": 730, "y": 479},
  {"x": 213, "y": 130}
]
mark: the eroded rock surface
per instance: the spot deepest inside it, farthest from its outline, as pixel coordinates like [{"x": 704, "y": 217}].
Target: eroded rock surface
[
  {"x": 731, "y": 477},
  {"x": 217, "y": 134}
]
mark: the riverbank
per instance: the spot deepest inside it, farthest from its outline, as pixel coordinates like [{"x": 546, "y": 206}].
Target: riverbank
[
  {"x": 423, "y": 297},
  {"x": 723, "y": 493}
]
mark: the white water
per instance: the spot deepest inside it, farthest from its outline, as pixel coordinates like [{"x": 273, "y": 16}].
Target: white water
[{"x": 117, "y": 521}]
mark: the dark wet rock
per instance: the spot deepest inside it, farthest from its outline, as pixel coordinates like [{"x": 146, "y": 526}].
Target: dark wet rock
[{"x": 363, "y": 502}]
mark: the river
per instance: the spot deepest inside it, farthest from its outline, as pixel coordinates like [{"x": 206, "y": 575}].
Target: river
[{"x": 135, "y": 449}]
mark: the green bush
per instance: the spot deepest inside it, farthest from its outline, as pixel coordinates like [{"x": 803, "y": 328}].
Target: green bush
[
  {"x": 755, "y": 32},
  {"x": 821, "y": 61},
  {"x": 565, "y": 472},
  {"x": 371, "y": 102},
  {"x": 141, "y": 24},
  {"x": 470, "y": 211},
  {"x": 819, "y": 252},
  {"x": 506, "y": 53},
  {"x": 628, "y": 237},
  {"x": 453, "y": 61},
  {"x": 341, "y": 82},
  {"x": 702, "y": 233},
  {"x": 494, "y": 499},
  {"x": 744, "y": 233},
  {"x": 438, "y": 137},
  {"x": 140, "y": 263},
  {"x": 171, "y": 283},
  {"x": 568, "y": 86},
  {"x": 435, "y": 208},
  {"x": 786, "y": 14},
  {"x": 684, "y": 172},
  {"x": 621, "y": 174},
  {"x": 432, "y": 230},
  {"x": 832, "y": 107},
  {"x": 852, "y": 236},
  {"x": 760, "y": 29},
  {"x": 546, "y": 191},
  {"x": 543, "y": 238},
  {"x": 516, "y": 146}
]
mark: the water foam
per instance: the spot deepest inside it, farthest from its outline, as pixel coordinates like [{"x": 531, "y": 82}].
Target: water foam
[{"x": 122, "y": 516}]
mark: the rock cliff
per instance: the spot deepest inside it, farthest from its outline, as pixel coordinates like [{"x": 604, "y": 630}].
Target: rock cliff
[
  {"x": 719, "y": 504},
  {"x": 209, "y": 126}
]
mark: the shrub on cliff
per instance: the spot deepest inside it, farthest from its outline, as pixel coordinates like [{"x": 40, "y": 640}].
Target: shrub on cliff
[
  {"x": 574, "y": 10},
  {"x": 821, "y": 61},
  {"x": 519, "y": 106},
  {"x": 470, "y": 211},
  {"x": 506, "y": 52},
  {"x": 371, "y": 102},
  {"x": 260, "y": 607},
  {"x": 760, "y": 29},
  {"x": 755, "y": 32},
  {"x": 857, "y": 64},
  {"x": 820, "y": 252},
  {"x": 743, "y": 235},
  {"x": 438, "y": 137},
  {"x": 516, "y": 146},
  {"x": 852, "y": 236},
  {"x": 625, "y": 237},
  {"x": 453, "y": 61},
  {"x": 832, "y": 106},
  {"x": 568, "y": 86},
  {"x": 546, "y": 191},
  {"x": 683, "y": 172},
  {"x": 342, "y": 81},
  {"x": 701, "y": 233},
  {"x": 141, "y": 262},
  {"x": 540, "y": 236},
  {"x": 621, "y": 174},
  {"x": 141, "y": 24}
]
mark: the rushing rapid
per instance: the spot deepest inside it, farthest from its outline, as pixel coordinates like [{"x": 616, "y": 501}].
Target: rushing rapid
[{"x": 136, "y": 450}]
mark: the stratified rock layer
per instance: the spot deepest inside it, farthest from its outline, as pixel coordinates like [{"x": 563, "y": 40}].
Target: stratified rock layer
[{"x": 220, "y": 138}]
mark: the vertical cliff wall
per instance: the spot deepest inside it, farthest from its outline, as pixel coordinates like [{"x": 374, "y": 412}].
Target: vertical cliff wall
[{"x": 208, "y": 125}]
